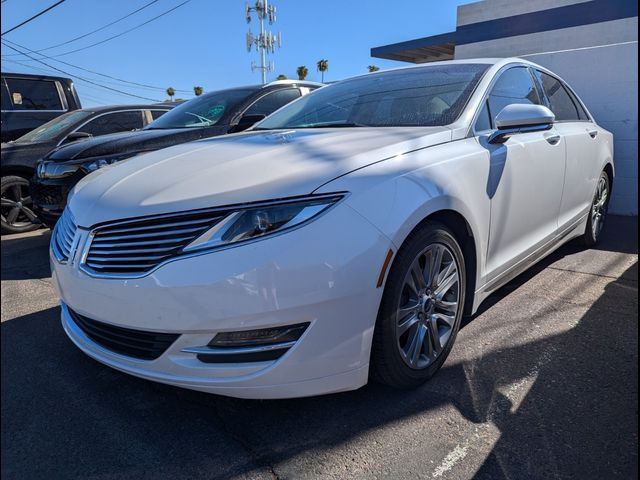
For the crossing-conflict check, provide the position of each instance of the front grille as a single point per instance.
(125, 341)
(62, 237)
(136, 247)
(46, 196)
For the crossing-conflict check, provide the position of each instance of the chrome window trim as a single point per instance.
(196, 253)
(77, 129)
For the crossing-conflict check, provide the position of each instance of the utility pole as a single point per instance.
(265, 41)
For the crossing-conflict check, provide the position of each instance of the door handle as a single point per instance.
(592, 133)
(552, 138)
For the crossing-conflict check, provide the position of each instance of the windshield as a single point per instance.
(430, 96)
(53, 128)
(202, 111)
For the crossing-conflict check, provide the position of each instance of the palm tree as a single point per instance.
(281, 77)
(171, 92)
(302, 72)
(198, 91)
(373, 68)
(323, 66)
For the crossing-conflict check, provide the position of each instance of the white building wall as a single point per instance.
(599, 61)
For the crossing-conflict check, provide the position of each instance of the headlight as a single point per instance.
(56, 170)
(96, 164)
(262, 220)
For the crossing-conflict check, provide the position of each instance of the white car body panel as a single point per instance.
(519, 201)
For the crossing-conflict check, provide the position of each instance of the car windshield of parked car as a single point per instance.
(202, 111)
(51, 130)
(434, 95)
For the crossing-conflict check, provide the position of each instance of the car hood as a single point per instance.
(239, 168)
(26, 154)
(131, 142)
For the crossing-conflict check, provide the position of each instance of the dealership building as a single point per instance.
(592, 44)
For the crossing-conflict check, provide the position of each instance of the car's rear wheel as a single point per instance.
(16, 214)
(421, 308)
(598, 212)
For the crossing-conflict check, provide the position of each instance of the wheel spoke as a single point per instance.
(406, 324)
(446, 306)
(448, 319)
(435, 264)
(33, 218)
(434, 336)
(415, 347)
(447, 282)
(7, 202)
(13, 215)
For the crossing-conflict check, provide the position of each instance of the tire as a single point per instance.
(17, 216)
(598, 211)
(394, 361)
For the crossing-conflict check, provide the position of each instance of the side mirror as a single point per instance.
(247, 121)
(73, 136)
(521, 118)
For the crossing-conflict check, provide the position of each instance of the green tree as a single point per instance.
(323, 66)
(281, 77)
(302, 72)
(373, 68)
(171, 92)
(198, 91)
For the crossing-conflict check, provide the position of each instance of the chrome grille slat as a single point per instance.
(151, 242)
(62, 237)
(133, 248)
(109, 237)
(204, 222)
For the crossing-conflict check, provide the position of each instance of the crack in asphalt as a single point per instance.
(613, 277)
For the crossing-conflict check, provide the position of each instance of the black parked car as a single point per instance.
(209, 115)
(29, 100)
(19, 157)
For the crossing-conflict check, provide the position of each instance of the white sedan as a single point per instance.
(341, 239)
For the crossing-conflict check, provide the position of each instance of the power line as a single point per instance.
(122, 33)
(91, 32)
(33, 17)
(152, 87)
(79, 77)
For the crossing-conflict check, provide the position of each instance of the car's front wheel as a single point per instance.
(421, 308)
(16, 213)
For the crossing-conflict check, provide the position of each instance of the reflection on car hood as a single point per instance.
(25, 154)
(238, 168)
(131, 142)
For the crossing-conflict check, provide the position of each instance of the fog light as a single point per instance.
(263, 336)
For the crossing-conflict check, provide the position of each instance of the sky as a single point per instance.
(202, 42)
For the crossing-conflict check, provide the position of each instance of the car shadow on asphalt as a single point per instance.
(26, 257)
(66, 416)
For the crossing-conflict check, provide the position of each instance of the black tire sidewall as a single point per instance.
(387, 365)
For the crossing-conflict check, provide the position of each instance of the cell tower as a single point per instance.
(265, 41)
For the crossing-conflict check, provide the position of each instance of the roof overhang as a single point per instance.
(422, 50)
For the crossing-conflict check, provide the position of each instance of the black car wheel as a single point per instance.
(16, 213)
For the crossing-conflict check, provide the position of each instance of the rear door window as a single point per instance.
(155, 114)
(560, 102)
(273, 101)
(27, 94)
(114, 122)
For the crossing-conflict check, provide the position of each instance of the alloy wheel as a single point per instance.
(15, 205)
(428, 306)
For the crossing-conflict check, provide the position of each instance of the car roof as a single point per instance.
(34, 76)
(117, 108)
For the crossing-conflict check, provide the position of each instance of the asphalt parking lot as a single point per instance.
(542, 383)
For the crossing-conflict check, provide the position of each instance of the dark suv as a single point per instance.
(29, 100)
(215, 113)
(19, 157)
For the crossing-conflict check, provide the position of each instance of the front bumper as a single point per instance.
(324, 273)
(49, 196)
